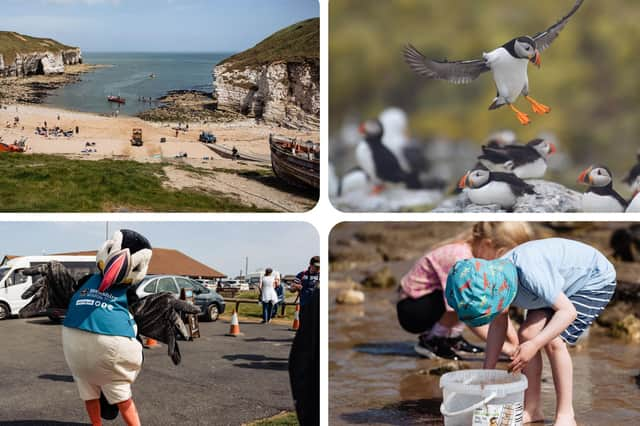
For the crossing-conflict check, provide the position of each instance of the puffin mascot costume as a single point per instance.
(100, 334)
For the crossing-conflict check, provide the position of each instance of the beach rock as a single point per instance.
(638, 380)
(628, 328)
(350, 297)
(549, 197)
(382, 278)
(280, 86)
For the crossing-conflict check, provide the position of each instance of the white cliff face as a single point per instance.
(285, 93)
(39, 63)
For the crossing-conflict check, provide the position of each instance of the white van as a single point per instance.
(13, 283)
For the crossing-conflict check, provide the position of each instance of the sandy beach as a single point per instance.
(111, 136)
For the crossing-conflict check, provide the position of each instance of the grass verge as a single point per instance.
(51, 183)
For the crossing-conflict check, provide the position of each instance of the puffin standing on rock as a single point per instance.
(379, 162)
(485, 188)
(508, 64)
(600, 197)
(528, 161)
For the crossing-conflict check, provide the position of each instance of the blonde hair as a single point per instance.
(503, 235)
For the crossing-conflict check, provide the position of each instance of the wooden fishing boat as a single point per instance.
(116, 99)
(294, 162)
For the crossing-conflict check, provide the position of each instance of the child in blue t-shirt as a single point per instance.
(563, 284)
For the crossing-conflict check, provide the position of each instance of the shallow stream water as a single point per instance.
(376, 378)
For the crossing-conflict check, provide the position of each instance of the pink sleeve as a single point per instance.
(443, 259)
(429, 273)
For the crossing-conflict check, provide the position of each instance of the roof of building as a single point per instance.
(164, 262)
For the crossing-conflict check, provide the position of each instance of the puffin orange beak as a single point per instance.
(552, 148)
(536, 59)
(585, 176)
(361, 129)
(463, 181)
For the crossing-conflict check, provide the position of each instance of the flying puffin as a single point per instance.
(379, 162)
(485, 187)
(600, 197)
(527, 161)
(508, 64)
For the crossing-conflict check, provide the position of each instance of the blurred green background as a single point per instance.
(589, 75)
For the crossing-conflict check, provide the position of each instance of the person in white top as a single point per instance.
(268, 295)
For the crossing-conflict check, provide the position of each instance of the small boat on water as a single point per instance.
(116, 99)
(294, 162)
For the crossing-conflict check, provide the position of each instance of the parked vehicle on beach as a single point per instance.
(207, 137)
(240, 285)
(13, 283)
(136, 137)
(211, 304)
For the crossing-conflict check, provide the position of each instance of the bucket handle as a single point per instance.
(446, 413)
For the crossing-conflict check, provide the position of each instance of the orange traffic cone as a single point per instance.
(296, 319)
(150, 343)
(234, 330)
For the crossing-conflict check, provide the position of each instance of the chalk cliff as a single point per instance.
(22, 55)
(277, 80)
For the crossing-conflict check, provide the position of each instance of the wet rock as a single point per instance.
(445, 367)
(638, 380)
(614, 314)
(382, 278)
(549, 197)
(350, 297)
(628, 328)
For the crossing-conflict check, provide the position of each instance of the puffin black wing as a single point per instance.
(518, 186)
(494, 155)
(519, 154)
(159, 316)
(544, 39)
(52, 288)
(632, 175)
(457, 72)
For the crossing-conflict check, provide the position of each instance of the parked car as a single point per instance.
(237, 284)
(210, 284)
(211, 304)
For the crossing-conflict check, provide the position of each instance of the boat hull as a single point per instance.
(293, 169)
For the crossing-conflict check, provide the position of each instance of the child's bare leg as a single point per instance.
(562, 370)
(93, 409)
(535, 322)
(129, 412)
(449, 319)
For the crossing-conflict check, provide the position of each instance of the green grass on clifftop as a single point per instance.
(12, 43)
(297, 43)
(50, 183)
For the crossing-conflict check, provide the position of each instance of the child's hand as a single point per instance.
(521, 356)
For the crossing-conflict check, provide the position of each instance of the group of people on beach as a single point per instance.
(473, 280)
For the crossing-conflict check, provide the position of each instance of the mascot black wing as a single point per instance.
(159, 316)
(52, 287)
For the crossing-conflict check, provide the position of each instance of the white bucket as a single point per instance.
(470, 396)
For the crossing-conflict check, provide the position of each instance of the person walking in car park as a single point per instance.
(268, 295)
(422, 308)
(307, 281)
(280, 292)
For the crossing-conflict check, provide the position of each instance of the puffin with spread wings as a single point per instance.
(508, 63)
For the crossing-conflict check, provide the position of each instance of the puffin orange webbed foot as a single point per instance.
(537, 107)
(521, 116)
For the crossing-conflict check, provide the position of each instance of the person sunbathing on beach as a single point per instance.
(564, 285)
(422, 308)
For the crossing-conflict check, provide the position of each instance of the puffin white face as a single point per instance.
(394, 120)
(474, 179)
(525, 48)
(596, 176)
(124, 259)
(544, 148)
(371, 128)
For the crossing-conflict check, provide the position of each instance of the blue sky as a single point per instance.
(287, 247)
(154, 25)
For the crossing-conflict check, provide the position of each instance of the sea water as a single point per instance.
(129, 75)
